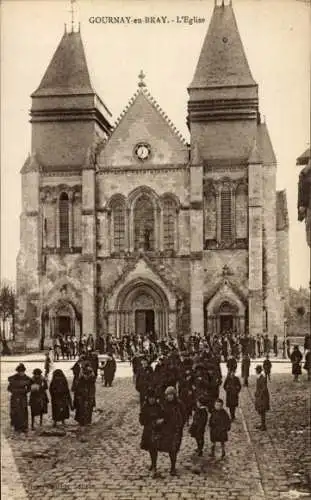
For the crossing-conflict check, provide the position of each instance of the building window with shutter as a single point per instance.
(64, 220)
(226, 215)
(169, 224)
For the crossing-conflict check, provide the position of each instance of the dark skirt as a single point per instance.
(60, 408)
(19, 412)
(84, 410)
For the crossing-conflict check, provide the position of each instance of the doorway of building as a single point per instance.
(226, 323)
(144, 321)
(64, 325)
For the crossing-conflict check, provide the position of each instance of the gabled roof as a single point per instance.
(282, 221)
(142, 95)
(67, 72)
(173, 287)
(142, 120)
(222, 61)
(31, 165)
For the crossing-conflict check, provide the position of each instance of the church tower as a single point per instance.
(56, 253)
(233, 169)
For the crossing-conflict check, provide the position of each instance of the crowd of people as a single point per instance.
(81, 398)
(178, 383)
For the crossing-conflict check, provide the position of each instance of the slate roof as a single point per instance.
(282, 221)
(67, 72)
(222, 61)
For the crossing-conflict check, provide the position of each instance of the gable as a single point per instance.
(140, 271)
(143, 122)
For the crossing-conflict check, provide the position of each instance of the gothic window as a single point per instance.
(225, 216)
(210, 214)
(64, 220)
(241, 211)
(169, 223)
(144, 224)
(118, 215)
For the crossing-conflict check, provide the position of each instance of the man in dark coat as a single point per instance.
(232, 364)
(232, 387)
(307, 365)
(144, 380)
(197, 428)
(109, 370)
(245, 366)
(296, 358)
(275, 345)
(262, 398)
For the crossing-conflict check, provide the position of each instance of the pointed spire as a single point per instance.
(222, 61)
(67, 72)
(254, 157)
(31, 164)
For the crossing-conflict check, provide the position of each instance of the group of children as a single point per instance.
(219, 423)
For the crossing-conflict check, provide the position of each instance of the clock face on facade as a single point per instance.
(142, 151)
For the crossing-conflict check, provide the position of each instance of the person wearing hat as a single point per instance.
(172, 428)
(262, 398)
(151, 417)
(19, 386)
(38, 400)
(296, 358)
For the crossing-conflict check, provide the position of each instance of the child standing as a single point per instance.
(197, 428)
(102, 371)
(219, 424)
(267, 365)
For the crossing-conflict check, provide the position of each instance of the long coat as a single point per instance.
(245, 365)
(151, 434)
(85, 397)
(38, 400)
(172, 429)
(232, 386)
(197, 428)
(60, 399)
(110, 370)
(307, 365)
(220, 425)
(296, 358)
(19, 386)
(262, 398)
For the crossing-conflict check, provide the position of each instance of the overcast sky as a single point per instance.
(276, 37)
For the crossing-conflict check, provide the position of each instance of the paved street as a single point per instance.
(105, 462)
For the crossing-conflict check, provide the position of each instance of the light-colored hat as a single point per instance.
(170, 390)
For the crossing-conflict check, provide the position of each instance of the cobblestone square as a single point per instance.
(105, 461)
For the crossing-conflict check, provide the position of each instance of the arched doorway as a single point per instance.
(61, 319)
(227, 317)
(142, 308)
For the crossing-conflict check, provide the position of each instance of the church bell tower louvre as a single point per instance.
(58, 216)
(233, 192)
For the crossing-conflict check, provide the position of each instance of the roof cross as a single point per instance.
(141, 77)
(72, 12)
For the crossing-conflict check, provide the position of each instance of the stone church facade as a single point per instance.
(131, 229)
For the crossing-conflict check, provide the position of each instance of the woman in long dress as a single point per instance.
(38, 400)
(60, 398)
(85, 395)
(19, 386)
